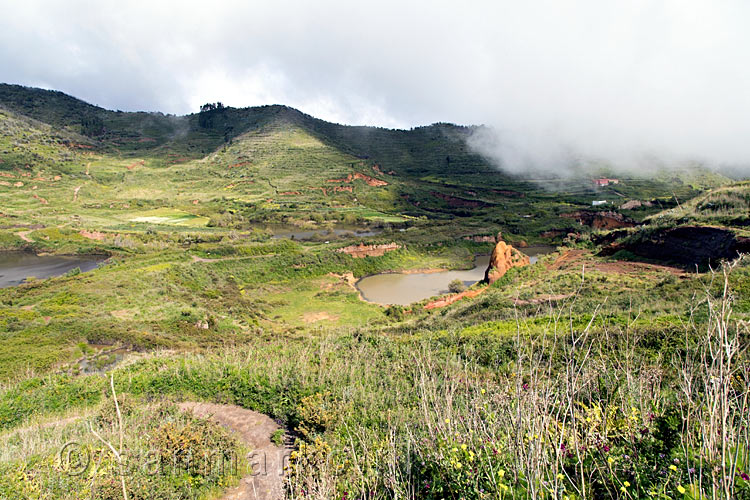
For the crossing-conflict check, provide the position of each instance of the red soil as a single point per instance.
(362, 250)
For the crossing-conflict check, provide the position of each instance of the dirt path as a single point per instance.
(572, 258)
(24, 235)
(566, 258)
(266, 482)
(314, 317)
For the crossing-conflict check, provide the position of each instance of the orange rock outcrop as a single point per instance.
(503, 257)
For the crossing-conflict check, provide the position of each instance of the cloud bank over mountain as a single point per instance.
(554, 82)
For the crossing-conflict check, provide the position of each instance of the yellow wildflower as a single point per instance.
(681, 489)
(673, 467)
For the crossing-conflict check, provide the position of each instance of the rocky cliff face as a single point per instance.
(362, 250)
(503, 258)
(686, 246)
(601, 220)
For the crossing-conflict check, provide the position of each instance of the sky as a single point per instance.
(625, 81)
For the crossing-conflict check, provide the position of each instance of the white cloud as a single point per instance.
(557, 79)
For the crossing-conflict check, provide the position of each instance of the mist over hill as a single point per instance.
(484, 147)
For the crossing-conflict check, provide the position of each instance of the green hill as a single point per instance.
(274, 163)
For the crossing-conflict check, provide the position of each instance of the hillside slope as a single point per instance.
(278, 164)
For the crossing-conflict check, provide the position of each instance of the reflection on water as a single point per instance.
(15, 267)
(404, 289)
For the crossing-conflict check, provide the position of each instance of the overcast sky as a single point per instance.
(595, 78)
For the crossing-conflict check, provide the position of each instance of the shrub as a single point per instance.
(456, 286)
(198, 447)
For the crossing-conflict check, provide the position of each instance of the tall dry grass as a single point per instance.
(579, 413)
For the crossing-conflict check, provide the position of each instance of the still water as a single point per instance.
(15, 267)
(404, 289)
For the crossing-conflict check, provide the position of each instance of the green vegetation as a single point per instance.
(726, 206)
(170, 454)
(231, 262)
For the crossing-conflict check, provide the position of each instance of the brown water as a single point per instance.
(404, 289)
(15, 267)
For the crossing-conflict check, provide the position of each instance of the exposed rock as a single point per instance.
(136, 164)
(687, 246)
(503, 257)
(450, 299)
(455, 201)
(601, 220)
(554, 233)
(93, 235)
(43, 201)
(481, 239)
(362, 250)
(370, 181)
(240, 164)
(630, 205)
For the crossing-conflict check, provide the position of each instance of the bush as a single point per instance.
(196, 447)
(456, 286)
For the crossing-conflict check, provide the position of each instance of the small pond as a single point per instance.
(15, 267)
(404, 289)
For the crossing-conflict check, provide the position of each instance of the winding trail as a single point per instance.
(266, 480)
